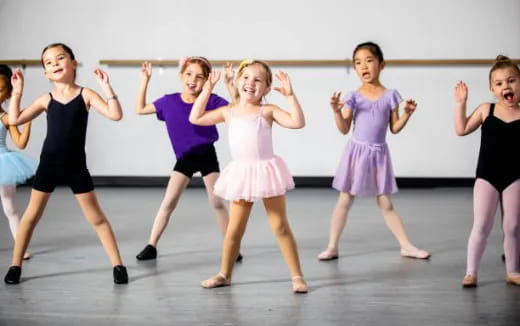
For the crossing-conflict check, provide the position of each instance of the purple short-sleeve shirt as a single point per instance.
(185, 136)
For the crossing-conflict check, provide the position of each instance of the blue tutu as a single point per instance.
(15, 168)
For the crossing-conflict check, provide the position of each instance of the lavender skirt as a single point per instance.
(365, 170)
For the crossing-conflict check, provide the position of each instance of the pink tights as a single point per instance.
(485, 203)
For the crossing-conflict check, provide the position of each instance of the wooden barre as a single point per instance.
(321, 63)
(289, 63)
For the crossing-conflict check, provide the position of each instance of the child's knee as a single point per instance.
(10, 211)
(216, 203)
(281, 229)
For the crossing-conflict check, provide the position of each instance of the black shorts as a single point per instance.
(76, 177)
(203, 159)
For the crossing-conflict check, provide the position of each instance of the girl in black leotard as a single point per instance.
(63, 155)
(498, 170)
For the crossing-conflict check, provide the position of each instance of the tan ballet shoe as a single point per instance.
(513, 279)
(415, 253)
(469, 281)
(299, 285)
(216, 281)
(328, 254)
(27, 256)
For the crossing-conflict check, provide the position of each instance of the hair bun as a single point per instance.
(502, 58)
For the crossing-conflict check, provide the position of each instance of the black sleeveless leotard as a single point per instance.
(66, 131)
(499, 157)
(63, 159)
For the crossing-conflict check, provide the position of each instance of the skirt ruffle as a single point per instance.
(365, 170)
(253, 180)
(15, 168)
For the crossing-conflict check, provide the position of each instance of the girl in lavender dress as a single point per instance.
(365, 168)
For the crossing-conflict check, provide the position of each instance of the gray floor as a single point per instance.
(69, 280)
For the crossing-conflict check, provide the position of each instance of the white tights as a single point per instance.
(7, 194)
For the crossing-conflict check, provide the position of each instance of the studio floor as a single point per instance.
(69, 279)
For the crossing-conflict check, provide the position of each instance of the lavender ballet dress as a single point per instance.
(365, 168)
(255, 171)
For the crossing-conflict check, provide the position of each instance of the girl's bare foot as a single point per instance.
(216, 281)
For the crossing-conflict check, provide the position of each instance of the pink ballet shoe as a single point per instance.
(299, 285)
(27, 256)
(216, 281)
(469, 281)
(413, 252)
(328, 254)
(513, 278)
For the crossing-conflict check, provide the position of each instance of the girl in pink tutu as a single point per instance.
(255, 172)
(365, 168)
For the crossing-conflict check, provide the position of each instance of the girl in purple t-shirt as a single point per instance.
(365, 168)
(193, 145)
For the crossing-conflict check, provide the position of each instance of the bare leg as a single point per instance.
(511, 227)
(485, 204)
(92, 211)
(239, 212)
(337, 224)
(30, 219)
(277, 214)
(176, 185)
(216, 203)
(396, 226)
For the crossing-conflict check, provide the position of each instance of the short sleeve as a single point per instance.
(160, 105)
(350, 100)
(395, 99)
(216, 102)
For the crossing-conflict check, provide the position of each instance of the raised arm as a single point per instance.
(397, 122)
(20, 139)
(293, 118)
(140, 104)
(342, 117)
(229, 76)
(465, 125)
(17, 116)
(199, 115)
(111, 108)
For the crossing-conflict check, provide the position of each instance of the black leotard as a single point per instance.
(66, 131)
(499, 157)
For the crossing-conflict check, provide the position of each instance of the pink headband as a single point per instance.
(183, 60)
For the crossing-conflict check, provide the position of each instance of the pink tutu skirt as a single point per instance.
(253, 180)
(365, 170)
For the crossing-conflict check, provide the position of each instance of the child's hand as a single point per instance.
(335, 103)
(146, 71)
(410, 106)
(102, 79)
(213, 78)
(285, 84)
(17, 81)
(461, 93)
(229, 73)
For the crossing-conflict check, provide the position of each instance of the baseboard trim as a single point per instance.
(300, 182)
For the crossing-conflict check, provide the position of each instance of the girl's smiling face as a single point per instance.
(252, 83)
(192, 79)
(58, 65)
(505, 85)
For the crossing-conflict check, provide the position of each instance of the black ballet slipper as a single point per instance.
(13, 275)
(149, 252)
(120, 275)
(239, 258)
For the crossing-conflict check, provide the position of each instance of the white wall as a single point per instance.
(269, 29)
